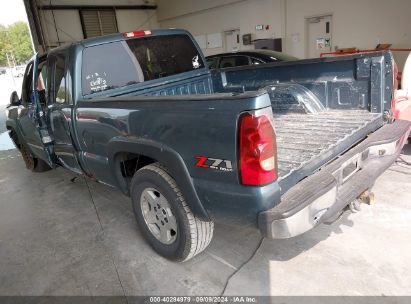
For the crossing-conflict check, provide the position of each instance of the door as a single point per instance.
(232, 40)
(59, 111)
(318, 36)
(30, 116)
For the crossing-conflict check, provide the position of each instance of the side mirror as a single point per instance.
(14, 99)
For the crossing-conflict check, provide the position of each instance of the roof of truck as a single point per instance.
(121, 36)
(118, 37)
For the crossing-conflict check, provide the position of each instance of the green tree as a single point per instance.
(4, 45)
(15, 39)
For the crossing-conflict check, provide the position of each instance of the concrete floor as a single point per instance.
(59, 237)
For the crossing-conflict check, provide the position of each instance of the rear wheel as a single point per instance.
(164, 217)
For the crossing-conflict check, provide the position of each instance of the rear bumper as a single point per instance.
(323, 195)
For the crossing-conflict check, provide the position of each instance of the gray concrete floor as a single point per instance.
(59, 237)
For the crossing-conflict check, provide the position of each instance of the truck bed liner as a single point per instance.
(301, 138)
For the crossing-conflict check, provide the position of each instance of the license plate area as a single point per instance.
(348, 169)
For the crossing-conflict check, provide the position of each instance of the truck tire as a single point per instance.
(164, 217)
(33, 163)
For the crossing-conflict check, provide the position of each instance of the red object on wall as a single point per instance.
(363, 51)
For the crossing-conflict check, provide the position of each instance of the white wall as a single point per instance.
(129, 20)
(65, 27)
(68, 25)
(356, 23)
(171, 9)
(206, 17)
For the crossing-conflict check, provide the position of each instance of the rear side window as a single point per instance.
(255, 61)
(60, 79)
(122, 63)
(233, 61)
(212, 62)
(27, 85)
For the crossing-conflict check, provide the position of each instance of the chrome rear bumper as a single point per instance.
(323, 195)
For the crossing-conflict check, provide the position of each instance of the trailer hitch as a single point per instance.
(367, 197)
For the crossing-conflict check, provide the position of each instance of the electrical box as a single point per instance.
(247, 39)
(269, 44)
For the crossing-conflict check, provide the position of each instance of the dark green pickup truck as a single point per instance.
(280, 147)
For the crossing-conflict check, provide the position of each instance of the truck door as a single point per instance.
(60, 110)
(30, 116)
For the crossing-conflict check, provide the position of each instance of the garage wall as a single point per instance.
(356, 23)
(65, 26)
(68, 26)
(171, 9)
(129, 20)
(207, 17)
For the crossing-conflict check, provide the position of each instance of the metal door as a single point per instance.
(232, 40)
(318, 36)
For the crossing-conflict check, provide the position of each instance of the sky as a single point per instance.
(12, 11)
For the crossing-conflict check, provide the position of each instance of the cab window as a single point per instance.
(27, 88)
(137, 60)
(42, 83)
(233, 61)
(212, 62)
(57, 78)
(60, 79)
(255, 61)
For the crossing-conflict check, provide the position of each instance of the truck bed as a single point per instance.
(304, 139)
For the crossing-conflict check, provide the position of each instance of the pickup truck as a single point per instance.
(278, 147)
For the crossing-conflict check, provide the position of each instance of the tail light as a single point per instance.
(136, 34)
(258, 152)
(395, 75)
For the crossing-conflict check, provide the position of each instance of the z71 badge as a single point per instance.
(214, 163)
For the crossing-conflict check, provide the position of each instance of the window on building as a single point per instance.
(98, 22)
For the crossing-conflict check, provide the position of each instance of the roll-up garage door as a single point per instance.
(98, 22)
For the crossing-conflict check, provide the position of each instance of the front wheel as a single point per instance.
(164, 217)
(33, 163)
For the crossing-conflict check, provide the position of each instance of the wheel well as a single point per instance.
(128, 164)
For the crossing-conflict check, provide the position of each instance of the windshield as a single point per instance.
(123, 63)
